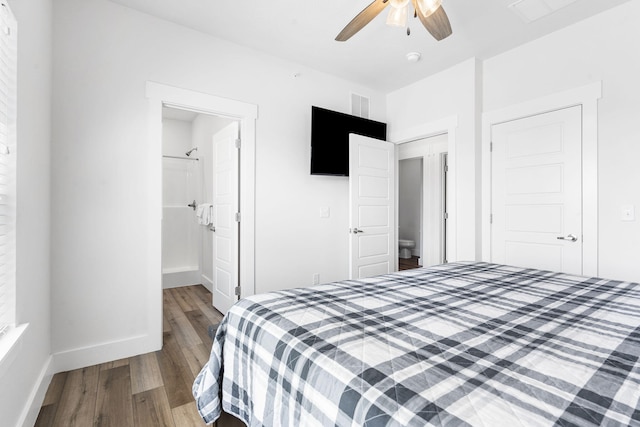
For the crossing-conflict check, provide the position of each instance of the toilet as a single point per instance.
(405, 248)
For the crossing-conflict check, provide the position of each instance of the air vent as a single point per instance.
(532, 10)
(359, 105)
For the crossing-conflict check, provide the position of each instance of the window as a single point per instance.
(8, 59)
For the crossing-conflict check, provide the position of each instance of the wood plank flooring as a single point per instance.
(408, 263)
(149, 390)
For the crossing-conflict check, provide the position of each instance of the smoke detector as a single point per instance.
(413, 57)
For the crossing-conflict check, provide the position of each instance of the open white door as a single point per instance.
(225, 220)
(371, 207)
(536, 197)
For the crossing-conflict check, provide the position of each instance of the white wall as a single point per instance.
(24, 382)
(181, 180)
(454, 92)
(602, 48)
(100, 127)
(103, 55)
(176, 137)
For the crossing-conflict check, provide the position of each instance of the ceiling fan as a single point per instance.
(430, 13)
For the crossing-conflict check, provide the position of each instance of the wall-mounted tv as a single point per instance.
(330, 139)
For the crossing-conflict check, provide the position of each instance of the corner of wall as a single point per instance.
(105, 352)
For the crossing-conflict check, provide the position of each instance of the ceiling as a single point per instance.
(303, 32)
(178, 114)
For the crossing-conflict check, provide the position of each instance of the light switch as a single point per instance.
(628, 213)
(325, 212)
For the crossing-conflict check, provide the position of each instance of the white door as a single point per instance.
(537, 191)
(225, 226)
(371, 207)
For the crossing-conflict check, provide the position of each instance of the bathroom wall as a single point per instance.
(410, 202)
(180, 186)
(176, 137)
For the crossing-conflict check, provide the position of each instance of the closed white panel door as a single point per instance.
(371, 208)
(225, 227)
(537, 191)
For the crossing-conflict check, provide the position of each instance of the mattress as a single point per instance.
(461, 344)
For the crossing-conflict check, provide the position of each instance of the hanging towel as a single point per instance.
(204, 212)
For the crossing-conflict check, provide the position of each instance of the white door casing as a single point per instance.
(536, 191)
(372, 237)
(160, 95)
(431, 150)
(225, 226)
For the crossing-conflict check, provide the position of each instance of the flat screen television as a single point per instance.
(330, 139)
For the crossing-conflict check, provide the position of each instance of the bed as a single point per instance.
(459, 344)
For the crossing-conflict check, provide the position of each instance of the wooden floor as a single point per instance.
(152, 389)
(409, 263)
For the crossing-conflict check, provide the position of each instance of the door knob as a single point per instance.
(570, 237)
(356, 231)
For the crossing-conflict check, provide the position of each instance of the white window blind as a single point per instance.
(8, 59)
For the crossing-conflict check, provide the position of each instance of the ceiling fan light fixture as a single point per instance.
(398, 16)
(427, 7)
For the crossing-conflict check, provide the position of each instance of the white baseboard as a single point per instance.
(180, 278)
(36, 397)
(106, 352)
(207, 283)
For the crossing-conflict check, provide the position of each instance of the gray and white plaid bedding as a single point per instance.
(458, 344)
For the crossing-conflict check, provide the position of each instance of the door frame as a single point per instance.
(447, 125)
(158, 95)
(586, 96)
(427, 216)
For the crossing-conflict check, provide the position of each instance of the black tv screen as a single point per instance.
(330, 139)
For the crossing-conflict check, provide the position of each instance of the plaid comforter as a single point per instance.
(459, 344)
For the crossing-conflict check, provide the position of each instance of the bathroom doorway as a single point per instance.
(422, 202)
(191, 254)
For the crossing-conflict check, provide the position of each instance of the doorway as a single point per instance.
(200, 188)
(422, 201)
(160, 96)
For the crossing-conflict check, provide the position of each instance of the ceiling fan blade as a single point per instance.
(437, 23)
(362, 19)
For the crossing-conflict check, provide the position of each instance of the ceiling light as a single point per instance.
(398, 14)
(427, 7)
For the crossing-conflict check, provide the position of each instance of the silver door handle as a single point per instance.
(570, 237)
(356, 231)
(212, 228)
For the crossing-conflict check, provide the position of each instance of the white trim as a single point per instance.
(586, 96)
(104, 352)
(11, 346)
(446, 125)
(31, 410)
(247, 114)
(207, 282)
